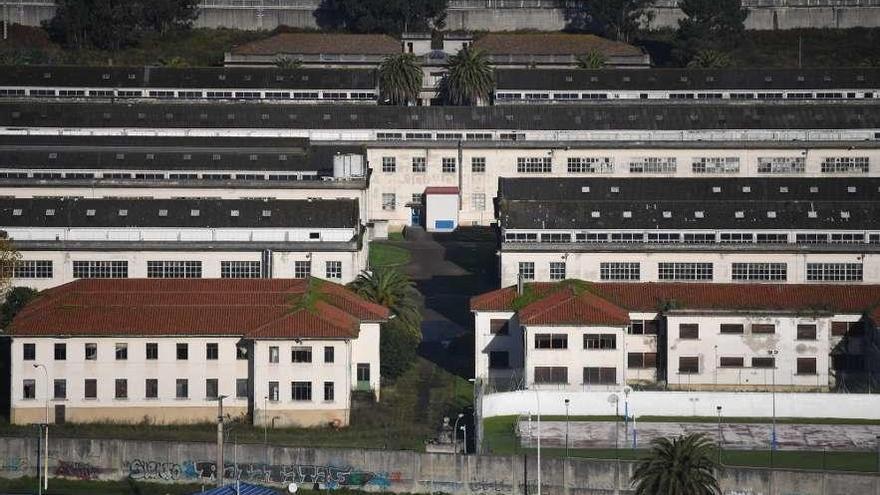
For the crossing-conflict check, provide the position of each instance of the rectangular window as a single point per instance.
(121, 351)
(151, 388)
(329, 391)
(643, 327)
(685, 271)
(28, 389)
(32, 269)
(551, 374)
(239, 269)
(590, 165)
(806, 332)
(241, 388)
(174, 269)
(301, 391)
(302, 269)
(60, 352)
(619, 271)
(653, 165)
(274, 392)
(730, 362)
(499, 360)
(241, 351)
(478, 164)
(534, 165)
(689, 331)
(551, 341)
(600, 341)
(121, 388)
(329, 354)
(182, 352)
(846, 164)
(782, 165)
(363, 372)
(834, 272)
(448, 165)
(301, 355)
(737, 328)
(90, 388)
(763, 362)
(852, 328)
(478, 201)
(333, 269)
(212, 351)
(91, 351)
(641, 360)
(557, 270)
(100, 269)
(600, 376)
(689, 364)
(59, 389)
(763, 328)
(152, 351)
(389, 201)
(29, 352)
(273, 354)
(212, 388)
(527, 270)
(181, 388)
(757, 272)
(419, 164)
(806, 366)
(716, 165)
(389, 164)
(499, 327)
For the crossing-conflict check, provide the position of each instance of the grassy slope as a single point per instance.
(386, 255)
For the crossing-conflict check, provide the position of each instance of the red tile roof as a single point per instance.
(441, 190)
(553, 44)
(251, 308)
(544, 299)
(321, 43)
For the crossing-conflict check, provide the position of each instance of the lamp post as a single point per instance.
(773, 353)
(220, 466)
(720, 437)
(455, 432)
(46, 423)
(464, 432)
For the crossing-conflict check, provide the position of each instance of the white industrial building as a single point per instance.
(282, 352)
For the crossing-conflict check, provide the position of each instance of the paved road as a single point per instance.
(735, 436)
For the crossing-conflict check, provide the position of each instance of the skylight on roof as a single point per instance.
(851, 189)
(585, 189)
(667, 214)
(783, 189)
(747, 189)
(233, 213)
(194, 213)
(123, 213)
(50, 212)
(739, 214)
(844, 214)
(90, 212)
(699, 214)
(627, 214)
(771, 214)
(595, 214)
(716, 189)
(813, 214)
(267, 213)
(16, 212)
(163, 213)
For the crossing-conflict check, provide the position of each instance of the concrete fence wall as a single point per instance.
(374, 470)
(734, 404)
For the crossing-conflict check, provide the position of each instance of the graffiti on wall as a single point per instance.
(80, 470)
(327, 476)
(14, 464)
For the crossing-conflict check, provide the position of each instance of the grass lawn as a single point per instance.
(396, 236)
(410, 412)
(386, 255)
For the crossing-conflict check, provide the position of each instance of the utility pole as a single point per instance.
(220, 466)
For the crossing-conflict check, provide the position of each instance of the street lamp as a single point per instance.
(46, 422)
(720, 437)
(455, 432)
(773, 353)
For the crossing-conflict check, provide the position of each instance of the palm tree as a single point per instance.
(710, 59)
(681, 466)
(470, 79)
(400, 79)
(394, 290)
(593, 59)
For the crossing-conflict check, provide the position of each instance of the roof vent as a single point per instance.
(783, 189)
(53, 156)
(844, 214)
(801, 78)
(569, 79)
(247, 77)
(814, 189)
(132, 76)
(304, 78)
(253, 158)
(860, 78)
(221, 77)
(813, 214)
(50, 212)
(827, 78)
(683, 79)
(163, 213)
(187, 156)
(16, 212)
(267, 213)
(699, 214)
(627, 214)
(264, 116)
(771, 214)
(768, 78)
(585, 189)
(90, 212)
(326, 116)
(123, 213)
(747, 189)
(215, 157)
(47, 75)
(169, 116)
(739, 214)
(151, 156)
(194, 213)
(667, 214)
(230, 116)
(279, 78)
(120, 156)
(851, 189)
(233, 213)
(105, 76)
(595, 214)
(615, 189)
(282, 158)
(716, 189)
(594, 79)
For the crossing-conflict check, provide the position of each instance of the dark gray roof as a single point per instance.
(212, 213)
(167, 153)
(686, 79)
(613, 116)
(565, 204)
(200, 77)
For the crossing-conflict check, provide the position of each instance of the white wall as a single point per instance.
(441, 207)
(575, 358)
(485, 342)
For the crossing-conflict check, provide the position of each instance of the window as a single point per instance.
(448, 165)
(499, 327)
(685, 271)
(90, 388)
(273, 354)
(301, 355)
(152, 351)
(182, 352)
(763, 362)
(806, 332)
(100, 269)
(478, 164)
(641, 360)
(527, 270)
(806, 366)
(363, 372)
(241, 388)
(557, 270)
(782, 165)
(653, 165)
(600, 341)
(329, 354)
(551, 374)
(771, 238)
(551, 341)
(846, 164)
(274, 392)
(302, 269)
(643, 327)
(841, 328)
(600, 376)
(301, 391)
(333, 269)
(756, 272)
(33, 269)
(478, 201)
(389, 201)
(834, 272)
(419, 164)
(688, 364)
(212, 388)
(499, 360)
(60, 352)
(736, 328)
(174, 269)
(239, 269)
(763, 328)
(121, 351)
(29, 352)
(715, 165)
(689, 331)
(121, 388)
(91, 351)
(328, 391)
(211, 351)
(730, 362)
(28, 389)
(584, 165)
(389, 164)
(151, 388)
(181, 388)
(534, 165)
(619, 271)
(59, 389)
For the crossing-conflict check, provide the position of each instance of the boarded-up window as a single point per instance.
(806, 366)
(689, 331)
(689, 364)
(731, 362)
(731, 328)
(806, 332)
(763, 328)
(499, 327)
(551, 374)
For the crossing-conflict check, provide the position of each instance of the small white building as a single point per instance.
(283, 352)
(441, 209)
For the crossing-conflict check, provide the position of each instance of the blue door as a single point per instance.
(416, 218)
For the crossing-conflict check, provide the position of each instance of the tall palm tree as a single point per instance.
(394, 290)
(470, 79)
(400, 79)
(681, 466)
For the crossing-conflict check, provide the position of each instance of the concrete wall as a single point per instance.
(397, 471)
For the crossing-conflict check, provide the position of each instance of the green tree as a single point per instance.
(397, 349)
(616, 19)
(9, 256)
(710, 25)
(394, 290)
(382, 16)
(16, 298)
(470, 79)
(594, 59)
(287, 63)
(682, 466)
(162, 16)
(709, 59)
(400, 79)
